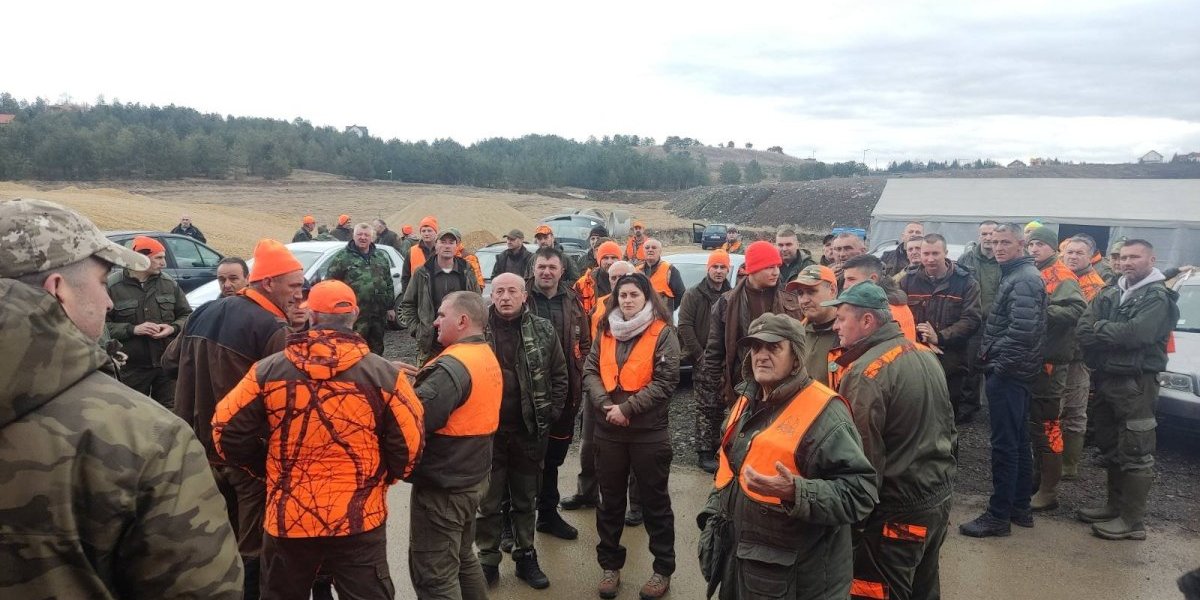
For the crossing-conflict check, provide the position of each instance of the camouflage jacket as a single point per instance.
(541, 371)
(156, 300)
(108, 495)
(369, 275)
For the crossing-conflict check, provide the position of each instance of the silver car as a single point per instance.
(1179, 385)
(314, 257)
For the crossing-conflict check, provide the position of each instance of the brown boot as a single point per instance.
(610, 583)
(1046, 497)
(657, 587)
(1072, 452)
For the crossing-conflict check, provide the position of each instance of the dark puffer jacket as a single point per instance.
(1016, 328)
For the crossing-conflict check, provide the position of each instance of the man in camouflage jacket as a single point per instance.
(367, 270)
(107, 495)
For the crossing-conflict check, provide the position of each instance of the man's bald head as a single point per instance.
(653, 249)
(508, 279)
(619, 268)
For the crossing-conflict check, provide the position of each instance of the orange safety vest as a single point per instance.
(777, 441)
(598, 314)
(836, 371)
(1091, 284)
(731, 249)
(631, 255)
(1055, 274)
(903, 317)
(480, 414)
(474, 262)
(416, 258)
(638, 369)
(661, 280)
(585, 287)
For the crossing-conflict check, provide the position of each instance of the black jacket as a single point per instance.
(1016, 328)
(950, 304)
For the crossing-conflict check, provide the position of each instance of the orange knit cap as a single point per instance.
(309, 220)
(718, 257)
(332, 297)
(272, 259)
(609, 248)
(344, 219)
(429, 221)
(406, 230)
(147, 245)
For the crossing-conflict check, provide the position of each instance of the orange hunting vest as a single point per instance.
(638, 369)
(778, 441)
(903, 317)
(631, 255)
(416, 258)
(1091, 284)
(1055, 274)
(732, 249)
(661, 280)
(480, 414)
(586, 288)
(598, 314)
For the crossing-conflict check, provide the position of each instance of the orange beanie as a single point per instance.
(272, 259)
(718, 257)
(762, 255)
(609, 248)
(429, 221)
(344, 219)
(147, 245)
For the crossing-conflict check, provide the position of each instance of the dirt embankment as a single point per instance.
(812, 206)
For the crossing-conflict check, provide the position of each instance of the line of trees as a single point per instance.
(813, 170)
(133, 141)
(909, 166)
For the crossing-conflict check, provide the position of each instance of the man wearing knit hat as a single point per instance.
(420, 252)
(694, 312)
(307, 230)
(596, 236)
(635, 252)
(757, 293)
(593, 284)
(148, 311)
(219, 343)
(342, 232)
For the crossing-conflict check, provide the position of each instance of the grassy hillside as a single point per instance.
(771, 162)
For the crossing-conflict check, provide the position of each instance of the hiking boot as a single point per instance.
(506, 537)
(657, 587)
(529, 571)
(491, 574)
(610, 582)
(1112, 506)
(1135, 489)
(549, 521)
(577, 502)
(1022, 518)
(985, 525)
(707, 461)
(634, 517)
(1072, 452)
(1046, 497)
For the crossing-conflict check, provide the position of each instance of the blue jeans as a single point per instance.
(1012, 461)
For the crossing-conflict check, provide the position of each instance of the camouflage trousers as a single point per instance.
(371, 325)
(710, 414)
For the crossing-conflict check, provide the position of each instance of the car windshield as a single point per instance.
(1189, 309)
(574, 230)
(712, 229)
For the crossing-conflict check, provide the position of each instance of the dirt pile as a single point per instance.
(469, 215)
(813, 206)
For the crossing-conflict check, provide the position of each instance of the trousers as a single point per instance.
(1012, 460)
(356, 563)
(441, 555)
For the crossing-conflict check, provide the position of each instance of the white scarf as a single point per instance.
(1127, 290)
(625, 330)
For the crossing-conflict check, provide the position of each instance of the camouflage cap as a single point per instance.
(771, 327)
(37, 236)
(1116, 246)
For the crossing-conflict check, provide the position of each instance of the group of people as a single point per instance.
(828, 393)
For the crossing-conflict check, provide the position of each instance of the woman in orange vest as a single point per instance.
(629, 378)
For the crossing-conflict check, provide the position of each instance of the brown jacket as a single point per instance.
(648, 408)
(721, 367)
(694, 318)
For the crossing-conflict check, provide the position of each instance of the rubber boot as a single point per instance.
(1072, 452)
(1046, 497)
(1135, 489)
(1112, 506)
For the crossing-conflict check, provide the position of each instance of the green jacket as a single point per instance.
(108, 494)
(802, 549)
(389, 238)
(1130, 337)
(157, 300)
(1063, 309)
(788, 271)
(694, 312)
(369, 275)
(541, 371)
(897, 392)
(986, 271)
(416, 311)
(818, 341)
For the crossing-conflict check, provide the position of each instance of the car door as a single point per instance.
(396, 263)
(191, 264)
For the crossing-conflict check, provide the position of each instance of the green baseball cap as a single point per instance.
(770, 327)
(865, 295)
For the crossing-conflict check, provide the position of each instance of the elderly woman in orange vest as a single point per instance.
(629, 377)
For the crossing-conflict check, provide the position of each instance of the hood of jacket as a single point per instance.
(324, 352)
(44, 352)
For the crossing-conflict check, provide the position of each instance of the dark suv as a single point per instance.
(189, 262)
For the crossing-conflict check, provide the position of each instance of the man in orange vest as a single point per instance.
(1065, 304)
(897, 393)
(635, 251)
(663, 276)
(418, 253)
(461, 389)
(1077, 255)
(594, 282)
(733, 241)
(866, 267)
(792, 479)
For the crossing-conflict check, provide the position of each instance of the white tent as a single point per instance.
(1165, 212)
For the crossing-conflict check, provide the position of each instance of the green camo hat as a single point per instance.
(865, 295)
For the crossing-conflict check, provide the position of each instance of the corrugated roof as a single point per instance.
(1145, 202)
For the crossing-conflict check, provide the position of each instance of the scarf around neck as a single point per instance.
(625, 330)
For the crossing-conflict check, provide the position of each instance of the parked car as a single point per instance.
(314, 257)
(572, 231)
(1179, 386)
(693, 268)
(487, 261)
(710, 236)
(189, 262)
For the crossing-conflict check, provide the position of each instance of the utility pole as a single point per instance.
(865, 151)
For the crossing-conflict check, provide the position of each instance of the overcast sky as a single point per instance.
(1093, 81)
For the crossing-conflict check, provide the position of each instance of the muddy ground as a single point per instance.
(1174, 499)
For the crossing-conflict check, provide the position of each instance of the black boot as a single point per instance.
(549, 521)
(491, 574)
(707, 461)
(529, 571)
(577, 501)
(634, 517)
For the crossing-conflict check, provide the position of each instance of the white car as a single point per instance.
(314, 257)
(693, 268)
(1179, 386)
(487, 261)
